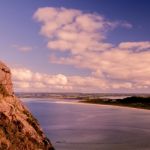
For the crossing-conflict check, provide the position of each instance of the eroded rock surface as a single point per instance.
(19, 130)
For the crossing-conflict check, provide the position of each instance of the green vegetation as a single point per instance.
(3, 90)
(137, 102)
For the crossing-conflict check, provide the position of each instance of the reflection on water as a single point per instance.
(92, 127)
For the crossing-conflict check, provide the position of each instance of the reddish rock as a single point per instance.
(19, 130)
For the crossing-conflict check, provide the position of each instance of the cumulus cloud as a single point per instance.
(135, 46)
(97, 82)
(26, 80)
(83, 36)
(72, 30)
(115, 65)
(20, 74)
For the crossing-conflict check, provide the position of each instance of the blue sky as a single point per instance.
(25, 50)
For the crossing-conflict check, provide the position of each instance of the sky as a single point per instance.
(95, 46)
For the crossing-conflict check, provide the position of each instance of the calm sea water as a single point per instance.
(72, 126)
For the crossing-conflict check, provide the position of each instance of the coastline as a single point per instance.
(130, 102)
(113, 105)
(81, 102)
(72, 119)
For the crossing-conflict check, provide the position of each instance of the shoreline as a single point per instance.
(131, 102)
(120, 106)
(84, 102)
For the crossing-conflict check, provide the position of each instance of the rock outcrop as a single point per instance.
(19, 130)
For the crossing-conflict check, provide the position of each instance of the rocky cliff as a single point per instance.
(19, 130)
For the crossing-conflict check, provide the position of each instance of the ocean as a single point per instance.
(73, 126)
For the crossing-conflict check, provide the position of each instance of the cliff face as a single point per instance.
(19, 130)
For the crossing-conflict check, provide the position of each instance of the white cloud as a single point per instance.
(113, 65)
(66, 28)
(97, 82)
(25, 79)
(22, 74)
(83, 35)
(135, 46)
